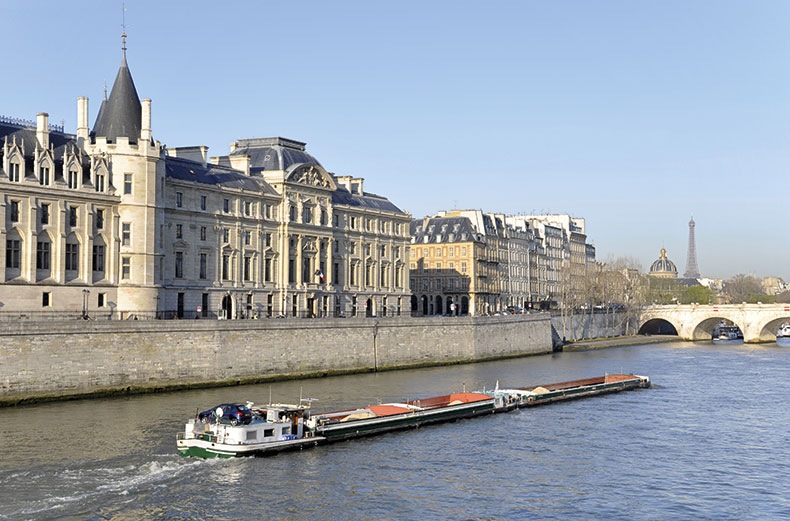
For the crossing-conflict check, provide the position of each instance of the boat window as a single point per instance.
(252, 435)
(268, 433)
(286, 431)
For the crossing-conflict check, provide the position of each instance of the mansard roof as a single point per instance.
(272, 153)
(120, 115)
(187, 170)
(25, 134)
(364, 200)
(444, 230)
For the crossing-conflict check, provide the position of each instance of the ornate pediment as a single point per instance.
(311, 175)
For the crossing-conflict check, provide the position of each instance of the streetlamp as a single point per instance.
(85, 293)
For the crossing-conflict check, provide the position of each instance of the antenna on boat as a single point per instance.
(270, 395)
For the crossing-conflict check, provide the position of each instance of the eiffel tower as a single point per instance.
(692, 271)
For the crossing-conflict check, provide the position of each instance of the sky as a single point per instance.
(635, 116)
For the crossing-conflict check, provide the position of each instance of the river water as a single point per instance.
(709, 440)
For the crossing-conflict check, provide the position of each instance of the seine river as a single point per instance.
(710, 440)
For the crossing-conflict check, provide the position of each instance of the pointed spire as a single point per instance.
(121, 114)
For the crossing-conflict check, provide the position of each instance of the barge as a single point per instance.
(377, 419)
(281, 427)
(570, 390)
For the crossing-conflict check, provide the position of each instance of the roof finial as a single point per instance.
(123, 32)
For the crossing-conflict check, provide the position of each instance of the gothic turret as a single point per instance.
(120, 114)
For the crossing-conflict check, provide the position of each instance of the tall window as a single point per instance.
(72, 216)
(45, 213)
(247, 208)
(179, 199)
(126, 268)
(268, 240)
(202, 202)
(179, 231)
(179, 264)
(225, 235)
(99, 182)
(225, 267)
(14, 211)
(127, 184)
(247, 238)
(247, 268)
(126, 234)
(13, 253)
(203, 265)
(13, 175)
(267, 270)
(202, 233)
(226, 205)
(43, 176)
(98, 258)
(72, 257)
(99, 219)
(42, 255)
(73, 180)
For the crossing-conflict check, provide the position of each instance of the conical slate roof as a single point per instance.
(121, 113)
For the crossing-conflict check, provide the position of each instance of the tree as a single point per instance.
(697, 295)
(743, 288)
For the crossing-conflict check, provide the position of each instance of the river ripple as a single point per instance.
(708, 441)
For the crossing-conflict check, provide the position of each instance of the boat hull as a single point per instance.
(379, 425)
(206, 447)
(576, 389)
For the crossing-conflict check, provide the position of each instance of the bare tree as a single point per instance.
(743, 288)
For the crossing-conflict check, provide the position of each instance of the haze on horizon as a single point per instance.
(634, 116)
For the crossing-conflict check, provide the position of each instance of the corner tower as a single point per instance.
(121, 137)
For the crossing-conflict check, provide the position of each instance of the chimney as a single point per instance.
(145, 131)
(42, 129)
(82, 119)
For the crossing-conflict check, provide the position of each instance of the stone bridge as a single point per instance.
(758, 322)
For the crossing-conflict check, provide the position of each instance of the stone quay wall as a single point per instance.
(66, 359)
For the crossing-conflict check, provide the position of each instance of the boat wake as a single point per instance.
(75, 491)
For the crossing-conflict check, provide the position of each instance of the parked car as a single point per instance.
(233, 413)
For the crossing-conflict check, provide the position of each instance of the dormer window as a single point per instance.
(73, 180)
(43, 176)
(13, 174)
(100, 182)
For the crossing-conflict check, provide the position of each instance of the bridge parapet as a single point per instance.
(758, 322)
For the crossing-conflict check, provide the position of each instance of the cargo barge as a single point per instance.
(278, 428)
(570, 390)
(378, 419)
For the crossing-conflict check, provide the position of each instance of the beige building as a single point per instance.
(109, 223)
(470, 262)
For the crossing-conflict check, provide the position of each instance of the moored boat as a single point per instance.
(275, 428)
(724, 332)
(783, 335)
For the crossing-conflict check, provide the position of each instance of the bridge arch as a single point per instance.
(758, 322)
(658, 326)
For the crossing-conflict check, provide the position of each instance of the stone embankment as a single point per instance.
(62, 360)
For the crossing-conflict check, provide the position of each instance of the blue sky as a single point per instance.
(633, 115)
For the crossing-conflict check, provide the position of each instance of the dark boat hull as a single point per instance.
(339, 431)
(576, 389)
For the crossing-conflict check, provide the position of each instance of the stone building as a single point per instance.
(110, 223)
(470, 262)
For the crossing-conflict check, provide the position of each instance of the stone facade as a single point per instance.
(110, 223)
